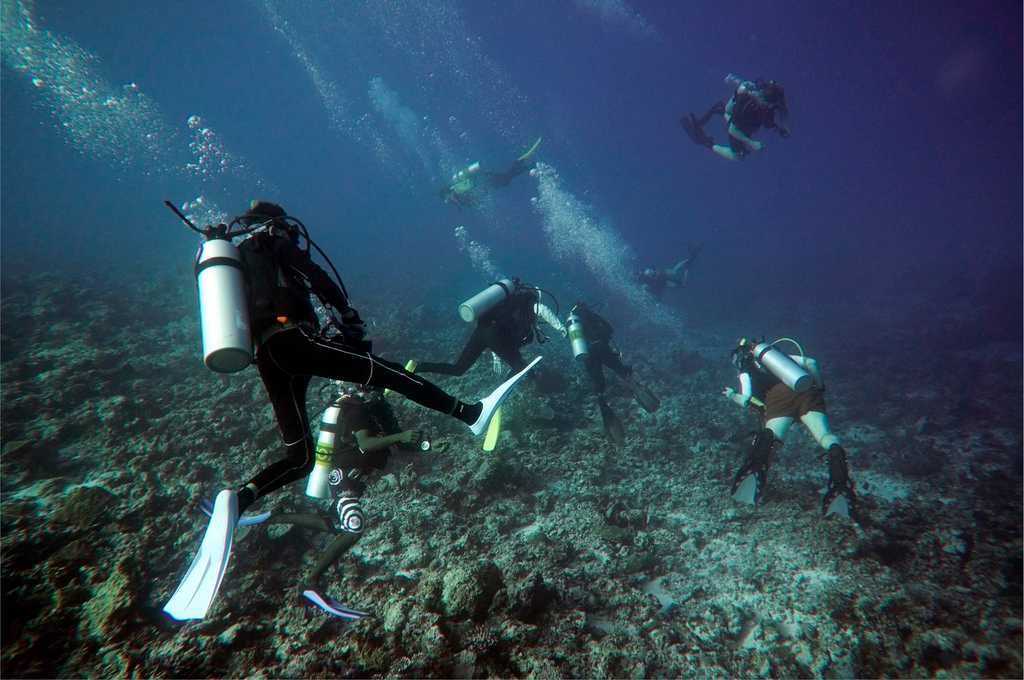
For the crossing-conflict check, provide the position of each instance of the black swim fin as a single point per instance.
(695, 132)
(644, 397)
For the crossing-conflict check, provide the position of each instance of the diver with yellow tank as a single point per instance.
(786, 387)
(467, 184)
(591, 338)
(257, 295)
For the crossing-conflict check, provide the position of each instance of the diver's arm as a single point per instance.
(368, 442)
(741, 398)
(547, 316)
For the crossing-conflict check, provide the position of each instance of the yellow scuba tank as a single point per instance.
(318, 482)
(574, 327)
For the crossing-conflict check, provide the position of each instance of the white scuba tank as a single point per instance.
(223, 307)
(794, 376)
(576, 337)
(486, 300)
(318, 485)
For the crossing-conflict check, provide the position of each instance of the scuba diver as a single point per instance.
(506, 315)
(754, 105)
(591, 338)
(466, 184)
(358, 432)
(786, 387)
(257, 294)
(655, 281)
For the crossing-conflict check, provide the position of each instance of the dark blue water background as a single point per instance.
(900, 188)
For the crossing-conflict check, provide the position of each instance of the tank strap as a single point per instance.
(216, 261)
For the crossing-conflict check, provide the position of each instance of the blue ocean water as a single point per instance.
(886, 231)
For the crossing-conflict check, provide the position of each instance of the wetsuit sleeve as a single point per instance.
(297, 263)
(746, 391)
(548, 317)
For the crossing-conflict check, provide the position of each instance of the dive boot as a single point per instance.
(749, 483)
(840, 498)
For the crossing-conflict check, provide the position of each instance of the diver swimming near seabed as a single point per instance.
(465, 186)
(655, 281)
(590, 336)
(358, 435)
(753, 105)
(786, 387)
(507, 315)
(258, 294)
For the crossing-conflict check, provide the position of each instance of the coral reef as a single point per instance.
(557, 555)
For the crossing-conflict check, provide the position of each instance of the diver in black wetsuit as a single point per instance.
(591, 338)
(365, 434)
(503, 329)
(753, 105)
(291, 350)
(655, 281)
(466, 184)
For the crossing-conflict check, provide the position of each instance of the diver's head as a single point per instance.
(580, 306)
(648, 272)
(742, 359)
(264, 212)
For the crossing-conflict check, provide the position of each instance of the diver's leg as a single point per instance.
(287, 392)
(817, 423)
(717, 109)
(475, 346)
(749, 482)
(302, 352)
(338, 547)
(725, 152)
(839, 482)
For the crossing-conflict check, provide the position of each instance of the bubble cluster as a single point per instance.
(413, 131)
(479, 254)
(116, 125)
(617, 14)
(574, 234)
(336, 106)
(210, 159)
(202, 211)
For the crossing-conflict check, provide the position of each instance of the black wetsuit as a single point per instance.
(749, 114)
(598, 333)
(289, 355)
(502, 179)
(505, 329)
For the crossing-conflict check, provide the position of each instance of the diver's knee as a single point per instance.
(779, 427)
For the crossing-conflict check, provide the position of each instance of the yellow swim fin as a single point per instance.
(532, 149)
(410, 366)
(493, 430)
